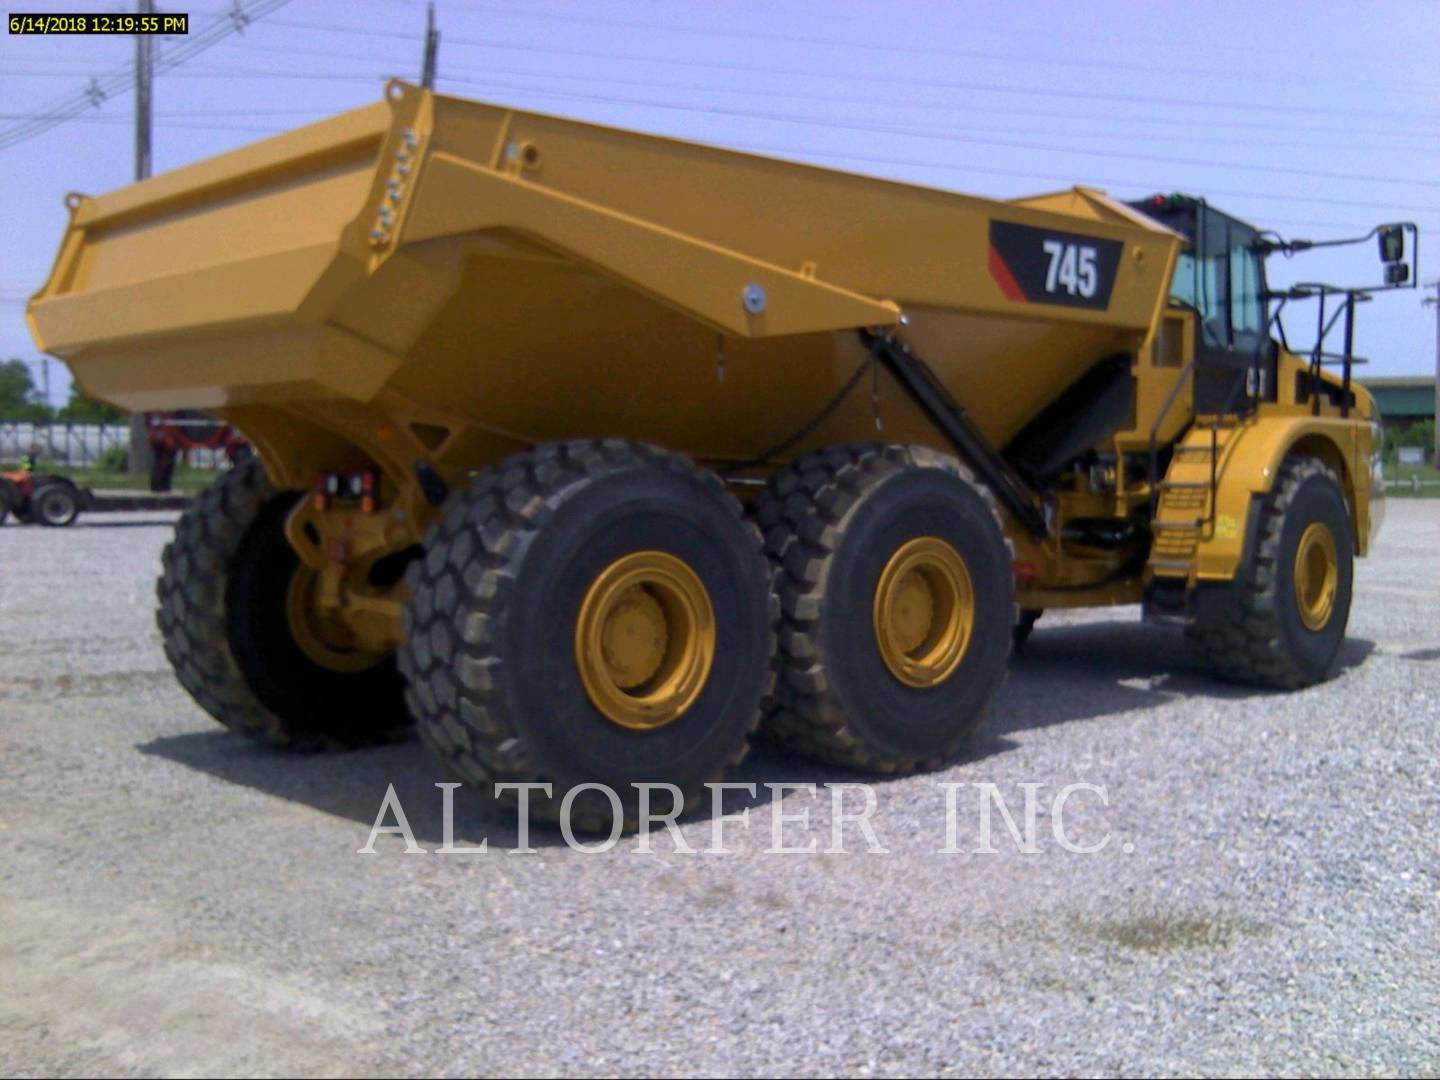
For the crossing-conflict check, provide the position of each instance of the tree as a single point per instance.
(19, 398)
(1420, 433)
(83, 410)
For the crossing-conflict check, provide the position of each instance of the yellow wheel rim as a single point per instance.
(924, 611)
(645, 640)
(322, 640)
(1317, 575)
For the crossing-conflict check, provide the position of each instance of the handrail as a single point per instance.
(1154, 470)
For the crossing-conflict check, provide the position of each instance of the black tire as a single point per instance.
(1260, 638)
(222, 616)
(490, 653)
(56, 503)
(1024, 624)
(832, 521)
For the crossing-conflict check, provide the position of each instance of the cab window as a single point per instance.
(1220, 279)
(1247, 304)
(1199, 284)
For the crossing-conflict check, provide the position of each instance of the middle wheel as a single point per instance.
(897, 595)
(590, 612)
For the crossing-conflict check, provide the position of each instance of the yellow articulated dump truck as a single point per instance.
(589, 452)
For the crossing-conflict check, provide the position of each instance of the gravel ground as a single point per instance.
(177, 901)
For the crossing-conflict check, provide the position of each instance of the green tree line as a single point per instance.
(21, 399)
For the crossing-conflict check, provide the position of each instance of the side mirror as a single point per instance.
(1397, 273)
(1392, 244)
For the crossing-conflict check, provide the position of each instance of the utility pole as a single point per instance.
(1434, 301)
(144, 73)
(144, 70)
(432, 46)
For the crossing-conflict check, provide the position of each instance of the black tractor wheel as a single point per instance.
(1291, 603)
(56, 503)
(590, 612)
(897, 599)
(243, 638)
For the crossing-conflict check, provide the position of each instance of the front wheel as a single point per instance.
(1286, 621)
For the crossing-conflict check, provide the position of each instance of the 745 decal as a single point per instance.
(1049, 267)
(1072, 268)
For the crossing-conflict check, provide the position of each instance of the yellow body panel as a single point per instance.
(1248, 456)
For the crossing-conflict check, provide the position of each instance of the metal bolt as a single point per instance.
(753, 298)
(411, 139)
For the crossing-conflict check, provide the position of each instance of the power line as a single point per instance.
(1267, 126)
(945, 84)
(103, 87)
(890, 81)
(321, 113)
(954, 134)
(859, 100)
(739, 13)
(815, 121)
(936, 135)
(886, 159)
(800, 155)
(1153, 185)
(767, 35)
(750, 69)
(301, 24)
(918, 132)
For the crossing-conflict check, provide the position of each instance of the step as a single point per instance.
(1170, 566)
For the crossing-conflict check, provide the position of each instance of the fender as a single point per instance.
(1249, 462)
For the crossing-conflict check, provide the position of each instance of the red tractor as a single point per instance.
(43, 498)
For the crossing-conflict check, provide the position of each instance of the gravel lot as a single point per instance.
(177, 901)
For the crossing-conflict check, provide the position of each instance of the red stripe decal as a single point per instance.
(1006, 280)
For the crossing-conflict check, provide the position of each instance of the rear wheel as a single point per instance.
(244, 638)
(1291, 603)
(590, 612)
(897, 596)
(55, 503)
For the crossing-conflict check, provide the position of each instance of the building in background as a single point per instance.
(1404, 401)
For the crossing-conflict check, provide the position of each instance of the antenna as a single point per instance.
(432, 47)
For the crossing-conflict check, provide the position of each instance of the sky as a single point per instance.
(1316, 119)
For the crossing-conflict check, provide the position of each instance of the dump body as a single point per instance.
(433, 277)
